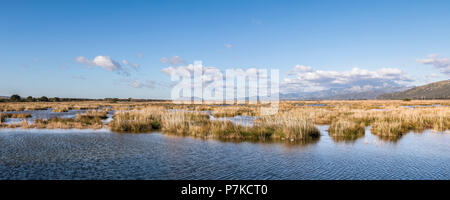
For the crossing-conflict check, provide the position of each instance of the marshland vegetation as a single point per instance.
(295, 120)
(346, 129)
(89, 119)
(199, 124)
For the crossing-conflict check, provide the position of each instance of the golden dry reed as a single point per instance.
(285, 126)
(295, 120)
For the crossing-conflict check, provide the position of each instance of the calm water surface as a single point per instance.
(88, 154)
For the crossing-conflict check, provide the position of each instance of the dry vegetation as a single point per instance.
(345, 128)
(295, 120)
(90, 119)
(198, 124)
(137, 121)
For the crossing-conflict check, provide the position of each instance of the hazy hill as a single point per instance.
(436, 90)
(341, 94)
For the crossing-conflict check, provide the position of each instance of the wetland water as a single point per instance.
(101, 154)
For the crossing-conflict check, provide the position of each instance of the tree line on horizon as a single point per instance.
(18, 98)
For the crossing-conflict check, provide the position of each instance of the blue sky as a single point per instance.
(41, 43)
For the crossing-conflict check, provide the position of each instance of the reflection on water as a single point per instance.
(296, 143)
(348, 138)
(101, 154)
(392, 139)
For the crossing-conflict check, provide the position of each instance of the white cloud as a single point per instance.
(229, 46)
(130, 64)
(305, 79)
(440, 63)
(300, 68)
(104, 62)
(142, 84)
(83, 60)
(208, 73)
(214, 77)
(174, 60)
(135, 83)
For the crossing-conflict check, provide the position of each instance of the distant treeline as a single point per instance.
(17, 98)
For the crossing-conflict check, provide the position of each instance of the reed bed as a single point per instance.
(4, 116)
(199, 125)
(347, 129)
(67, 123)
(295, 120)
(90, 119)
(231, 111)
(15, 115)
(102, 114)
(295, 125)
(61, 109)
(137, 121)
(191, 123)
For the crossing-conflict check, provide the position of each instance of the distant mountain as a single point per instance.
(4, 97)
(436, 90)
(341, 94)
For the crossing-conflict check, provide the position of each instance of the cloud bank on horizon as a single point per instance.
(305, 79)
(300, 78)
(440, 63)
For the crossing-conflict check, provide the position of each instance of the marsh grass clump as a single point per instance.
(401, 121)
(231, 111)
(389, 121)
(441, 122)
(268, 128)
(199, 125)
(229, 130)
(20, 115)
(96, 113)
(37, 107)
(90, 119)
(389, 129)
(137, 121)
(84, 107)
(67, 123)
(185, 123)
(346, 129)
(4, 116)
(61, 109)
(292, 126)
(13, 108)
